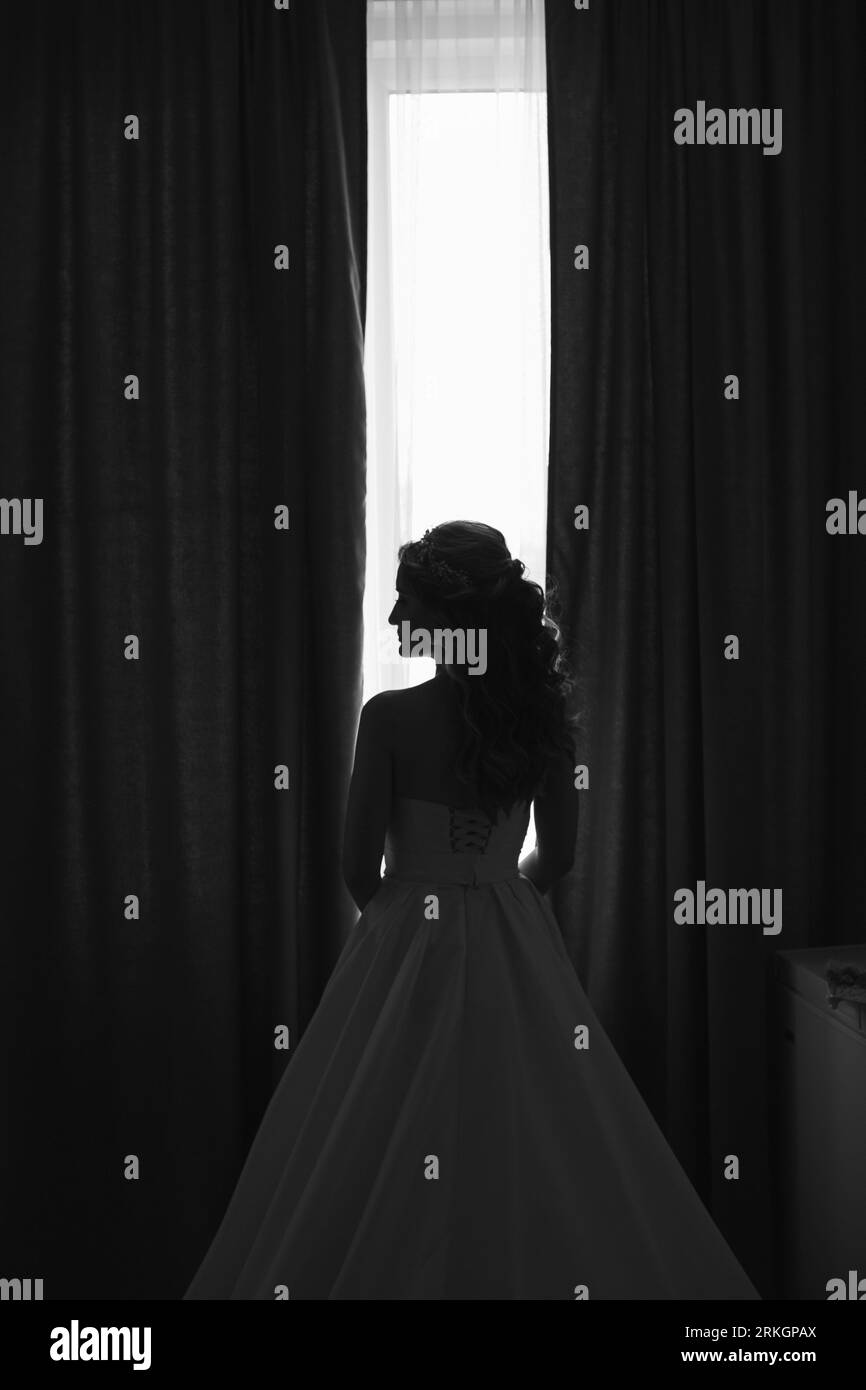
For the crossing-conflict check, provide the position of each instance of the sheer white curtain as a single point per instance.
(458, 319)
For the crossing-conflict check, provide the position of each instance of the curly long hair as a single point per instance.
(518, 715)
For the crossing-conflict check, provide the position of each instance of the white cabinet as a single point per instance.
(818, 1119)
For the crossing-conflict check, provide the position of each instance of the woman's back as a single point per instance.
(424, 733)
(425, 736)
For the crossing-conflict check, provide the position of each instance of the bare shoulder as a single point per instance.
(393, 701)
(393, 714)
(381, 711)
(380, 706)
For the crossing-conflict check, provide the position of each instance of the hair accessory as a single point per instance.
(446, 574)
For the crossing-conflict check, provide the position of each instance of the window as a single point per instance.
(457, 357)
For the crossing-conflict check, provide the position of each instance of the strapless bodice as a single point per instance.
(427, 841)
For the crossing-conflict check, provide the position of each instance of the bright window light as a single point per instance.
(472, 364)
(458, 354)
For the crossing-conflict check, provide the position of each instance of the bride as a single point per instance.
(455, 1124)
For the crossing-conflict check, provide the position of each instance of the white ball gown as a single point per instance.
(454, 1123)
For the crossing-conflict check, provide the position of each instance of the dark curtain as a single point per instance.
(707, 517)
(148, 1030)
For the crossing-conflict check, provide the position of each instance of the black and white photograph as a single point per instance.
(433, 670)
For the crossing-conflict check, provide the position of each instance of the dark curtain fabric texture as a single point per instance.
(707, 517)
(169, 898)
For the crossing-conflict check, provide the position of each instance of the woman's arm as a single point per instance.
(369, 806)
(555, 810)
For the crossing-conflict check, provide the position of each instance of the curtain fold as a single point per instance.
(707, 518)
(166, 903)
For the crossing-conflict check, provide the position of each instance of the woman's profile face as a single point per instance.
(408, 609)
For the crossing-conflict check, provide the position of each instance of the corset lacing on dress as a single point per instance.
(468, 831)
